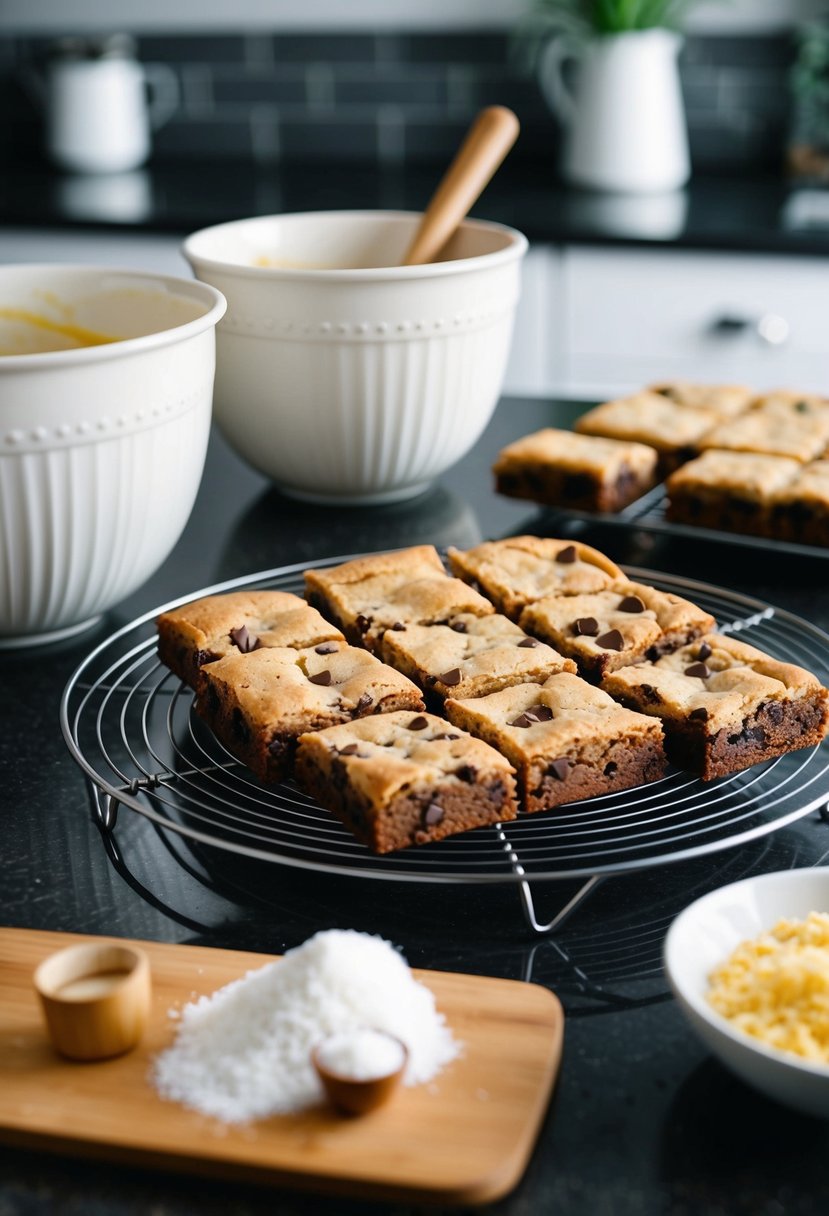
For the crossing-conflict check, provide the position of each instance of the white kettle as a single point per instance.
(624, 118)
(101, 104)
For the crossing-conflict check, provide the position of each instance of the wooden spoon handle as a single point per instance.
(487, 142)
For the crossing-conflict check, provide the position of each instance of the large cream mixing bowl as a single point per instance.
(342, 375)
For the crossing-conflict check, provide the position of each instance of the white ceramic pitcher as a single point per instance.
(624, 118)
(101, 105)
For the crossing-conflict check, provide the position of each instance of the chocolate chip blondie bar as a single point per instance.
(725, 705)
(401, 779)
(777, 425)
(566, 739)
(517, 571)
(585, 472)
(726, 400)
(258, 704)
(369, 595)
(611, 628)
(470, 656)
(733, 491)
(800, 510)
(238, 621)
(650, 418)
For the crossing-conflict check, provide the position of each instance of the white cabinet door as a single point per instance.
(538, 342)
(639, 315)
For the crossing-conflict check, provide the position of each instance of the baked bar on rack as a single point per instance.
(369, 595)
(470, 656)
(585, 472)
(650, 418)
(401, 779)
(258, 704)
(521, 569)
(620, 625)
(780, 424)
(725, 705)
(726, 400)
(566, 739)
(800, 509)
(217, 625)
(733, 491)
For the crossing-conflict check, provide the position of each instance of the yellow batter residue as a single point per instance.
(776, 987)
(74, 333)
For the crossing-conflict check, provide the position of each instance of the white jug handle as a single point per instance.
(164, 92)
(558, 52)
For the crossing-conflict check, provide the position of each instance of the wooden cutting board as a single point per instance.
(465, 1139)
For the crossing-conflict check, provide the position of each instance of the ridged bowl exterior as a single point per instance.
(99, 468)
(361, 390)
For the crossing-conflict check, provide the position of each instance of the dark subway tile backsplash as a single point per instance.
(392, 97)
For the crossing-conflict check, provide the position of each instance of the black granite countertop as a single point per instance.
(748, 212)
(643, 1121)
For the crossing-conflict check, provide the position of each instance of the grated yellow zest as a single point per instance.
(776, 987)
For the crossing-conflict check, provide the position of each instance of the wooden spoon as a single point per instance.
(487, 142)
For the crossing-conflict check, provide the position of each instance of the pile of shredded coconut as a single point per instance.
(245, 1052)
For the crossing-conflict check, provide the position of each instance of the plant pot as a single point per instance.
(624, 118)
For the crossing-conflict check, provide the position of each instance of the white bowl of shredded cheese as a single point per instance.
(749, 966)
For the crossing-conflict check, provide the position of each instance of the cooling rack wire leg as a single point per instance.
(563, 914)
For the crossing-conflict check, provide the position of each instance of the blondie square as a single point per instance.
(585, 472)
(620, 625)
(401, 779)
(517, 571)
(566, 739)
(369, 595)
(776, 425)
(726, 400)
(725, 705)
(470, 656)
(733, 491)
(258, 704)
(800, 509)
(650, 418)
(218, 625)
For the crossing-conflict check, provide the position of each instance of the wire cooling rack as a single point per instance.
(130, 725)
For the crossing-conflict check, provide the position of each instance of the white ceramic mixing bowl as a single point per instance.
(102, 447)
(342, 375)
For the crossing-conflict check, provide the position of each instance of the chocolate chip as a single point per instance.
(567, 555)
(362, 622)
(433, 814)
(522, 720)
(699, 670)
(419, 723)
(244, 640)
(802, 407)
(704, 651)
(350, 749)
(363, 703)
(559, 769)
(699, 715)
(649, 693)
(540, 713)
(399, 627)
(445, 734)
(452, 677)
(585, 627)
(652, 653)
(322, 678)
(774, 712)
(612, 640)
(458, 626)
(278, 746)
(529, 643)
(466, 772)
(611, 768)
(326, 648)
(631, 603)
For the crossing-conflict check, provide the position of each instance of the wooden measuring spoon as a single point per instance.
(487, 142)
